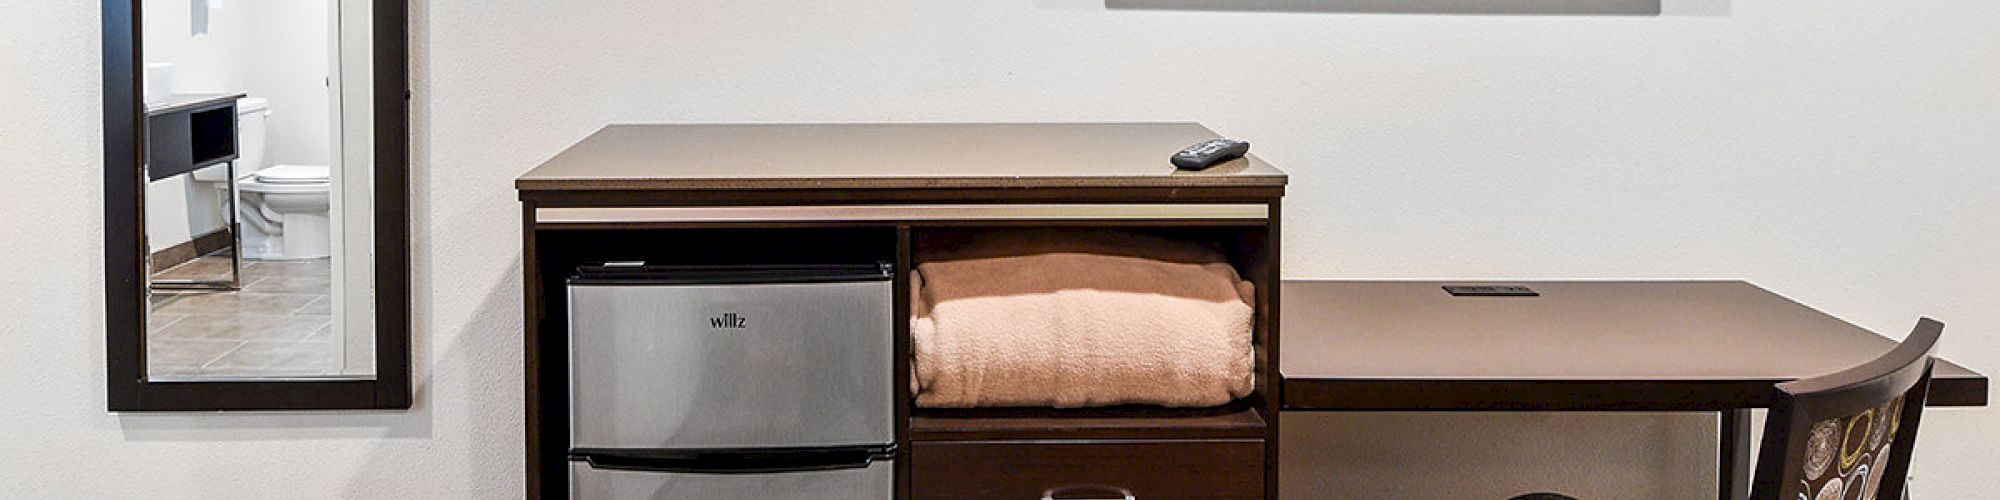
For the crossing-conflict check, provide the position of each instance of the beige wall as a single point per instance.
(1837, 151)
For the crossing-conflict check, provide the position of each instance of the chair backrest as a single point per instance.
(1848, 435)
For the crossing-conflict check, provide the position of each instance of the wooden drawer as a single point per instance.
(1031, 470)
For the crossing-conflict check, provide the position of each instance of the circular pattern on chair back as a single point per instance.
(1846, 456)
(1819, 448)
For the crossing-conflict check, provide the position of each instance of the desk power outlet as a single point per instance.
(1490, 291)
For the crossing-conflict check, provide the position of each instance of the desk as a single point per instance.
(1580, 346)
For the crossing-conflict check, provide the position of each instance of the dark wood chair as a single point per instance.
(1827, 436)
(1845, 435)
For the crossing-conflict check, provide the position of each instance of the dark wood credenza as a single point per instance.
(797, 194)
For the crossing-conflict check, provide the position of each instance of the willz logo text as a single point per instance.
(727, 320)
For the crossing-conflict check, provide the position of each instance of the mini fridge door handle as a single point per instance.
(733, 462)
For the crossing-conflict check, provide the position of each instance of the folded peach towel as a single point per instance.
(1079, 319)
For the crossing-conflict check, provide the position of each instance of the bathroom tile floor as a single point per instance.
(278, 325)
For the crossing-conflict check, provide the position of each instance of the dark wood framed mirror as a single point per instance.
(256, 207)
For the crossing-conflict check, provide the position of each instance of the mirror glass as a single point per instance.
(258, 202)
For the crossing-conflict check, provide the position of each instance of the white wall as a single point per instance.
(290, 61)
(352, 193)
(178, 209)
(1837, 151)
(217, 59)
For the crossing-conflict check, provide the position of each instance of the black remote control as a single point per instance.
(1210, 152)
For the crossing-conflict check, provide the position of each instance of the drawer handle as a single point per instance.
(1106, 492)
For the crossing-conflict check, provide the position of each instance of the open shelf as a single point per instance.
(1244, 247)
(190, 133)
(1161, 423)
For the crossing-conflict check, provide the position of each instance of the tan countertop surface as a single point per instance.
(1713, 330)
(889, 156)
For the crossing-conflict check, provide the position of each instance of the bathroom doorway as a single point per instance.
(259, 265)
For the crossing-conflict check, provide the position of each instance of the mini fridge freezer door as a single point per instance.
(671, 364)
(872, 482)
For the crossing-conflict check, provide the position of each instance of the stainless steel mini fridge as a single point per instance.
(768, 382)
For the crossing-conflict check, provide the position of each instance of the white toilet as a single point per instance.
(283, 209)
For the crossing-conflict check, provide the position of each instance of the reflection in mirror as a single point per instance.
(258, 204)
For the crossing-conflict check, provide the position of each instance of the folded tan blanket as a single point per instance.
(1079, 319)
